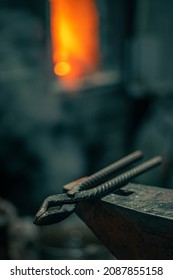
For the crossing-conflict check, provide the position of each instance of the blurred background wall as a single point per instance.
(49, 136)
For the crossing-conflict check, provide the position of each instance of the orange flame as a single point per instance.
(75, 39)
(62, 68)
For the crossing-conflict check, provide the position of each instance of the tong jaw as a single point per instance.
(54, 215)
(53, 210)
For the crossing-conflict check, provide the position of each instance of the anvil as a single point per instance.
(135, 222)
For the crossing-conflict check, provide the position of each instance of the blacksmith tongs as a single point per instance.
(56, 208)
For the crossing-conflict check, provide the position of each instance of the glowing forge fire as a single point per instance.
(75, 38)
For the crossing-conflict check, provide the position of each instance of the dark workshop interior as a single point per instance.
(81, 86)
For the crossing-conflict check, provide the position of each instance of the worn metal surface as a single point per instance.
(134, 223)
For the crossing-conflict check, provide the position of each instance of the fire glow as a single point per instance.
(75, 38)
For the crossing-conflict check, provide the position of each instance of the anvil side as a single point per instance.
(135, 222)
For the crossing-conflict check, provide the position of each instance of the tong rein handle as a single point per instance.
(105, 173)
(111, 185)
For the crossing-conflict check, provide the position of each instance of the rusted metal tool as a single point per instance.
(57, 207)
